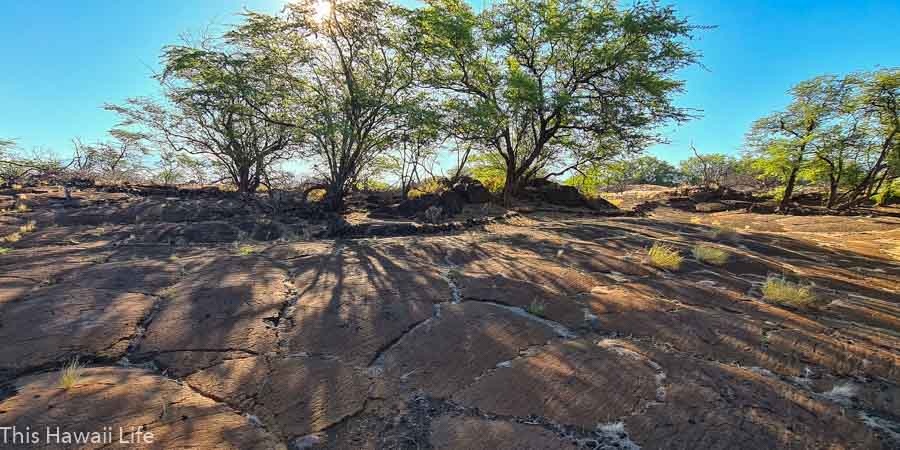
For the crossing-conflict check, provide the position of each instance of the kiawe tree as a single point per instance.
(553, 86)
(208, 113)
(341, 78)
(843, 130)
(878, 102)
(788, 140)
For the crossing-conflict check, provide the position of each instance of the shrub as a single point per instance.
(664, 257)
(722, 232)
(779, 290)
(245, 250)
(536, 308)
(4, 250)
(168, 293)
(70, 374)
(710, 255)
(316, 195)
(22, 208)
(430, 186)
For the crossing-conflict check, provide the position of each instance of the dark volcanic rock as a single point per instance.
(210, 232)
(555, 193)
(451, 203)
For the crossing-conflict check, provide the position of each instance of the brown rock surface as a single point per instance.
(476, 434)
(129, 398)
(296, 396)
(62, 322)
(575, 383)
(218, 306)
(447, 353)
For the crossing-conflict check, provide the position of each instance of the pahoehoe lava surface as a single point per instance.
(537, 331)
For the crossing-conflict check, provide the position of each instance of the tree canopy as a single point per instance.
(553, 86)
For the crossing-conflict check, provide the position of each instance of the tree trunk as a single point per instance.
(832, 193)
(334, 196)
(511, 186)
(243, 181)
(788, 190)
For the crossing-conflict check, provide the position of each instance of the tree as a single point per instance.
(839, 131)
(878, 102)
(118, 159)
(208, 113)
(712, 169)
(16, 165)
(178, 167)
(616, 175)
(338, 73)
(553, 86)
(652, 170)
(787, 140)
(413, 155)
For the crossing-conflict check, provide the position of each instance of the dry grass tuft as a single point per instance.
(664, 257)
(28, 227)
(536, 308)
(246, 250)
(70, 374)
(723, 232)
(168, 293)
(13, 237)
(779, 290)
(22, 208)
(710, 255)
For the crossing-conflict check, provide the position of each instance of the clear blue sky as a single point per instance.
(63, 59)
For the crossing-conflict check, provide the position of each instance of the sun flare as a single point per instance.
(322, 10)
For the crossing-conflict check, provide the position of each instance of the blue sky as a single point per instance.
(64, 59)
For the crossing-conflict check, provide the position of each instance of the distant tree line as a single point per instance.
(839, 135)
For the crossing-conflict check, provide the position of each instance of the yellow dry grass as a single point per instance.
(780, 290)
(70, 374)
(12, 237)
(665, 257)
(710, 255)
(28, 227)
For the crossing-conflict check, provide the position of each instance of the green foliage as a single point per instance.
(490, 170)
(889, 193)
(428, 186)
(617, 174)
(537, 308)
(551, 86)
(838, 132)
(709, 169)
(343, 81)
(214, 110)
